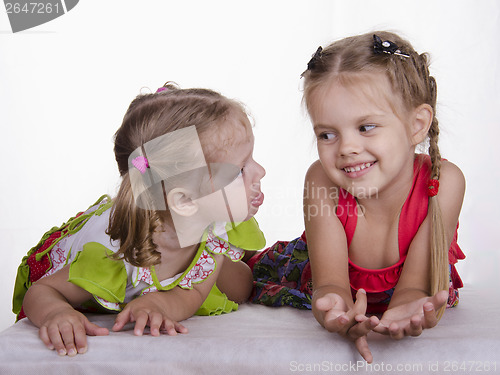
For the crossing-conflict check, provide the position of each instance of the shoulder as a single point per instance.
(318, 185)
(450, 195)
(316, 172)
(451, 184)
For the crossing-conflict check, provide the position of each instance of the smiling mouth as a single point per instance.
(357, 168)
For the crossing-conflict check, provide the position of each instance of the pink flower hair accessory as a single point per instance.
(141, 163)
(433, 187)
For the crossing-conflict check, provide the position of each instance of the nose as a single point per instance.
(350, 144)
(261, 172)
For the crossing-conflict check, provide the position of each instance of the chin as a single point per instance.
(251, 213)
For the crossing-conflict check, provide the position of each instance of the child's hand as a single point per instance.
(145, 311)
(353, 323)
(66, 331)
(412, 318)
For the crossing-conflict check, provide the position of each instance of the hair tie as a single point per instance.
(141, 163)
(386, 47)
(433, 187)
(315, 59)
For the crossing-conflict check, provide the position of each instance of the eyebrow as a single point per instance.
(359, 120)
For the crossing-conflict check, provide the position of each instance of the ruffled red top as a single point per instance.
(412, 215)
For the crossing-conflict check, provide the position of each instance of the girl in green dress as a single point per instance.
(180, 223)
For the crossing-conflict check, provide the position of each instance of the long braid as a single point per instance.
(439, 250)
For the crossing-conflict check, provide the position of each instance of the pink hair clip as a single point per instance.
(433, 187)
(141, 163)
(161, 89)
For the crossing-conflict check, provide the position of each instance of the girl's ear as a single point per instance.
(179, 201)
(421, 122)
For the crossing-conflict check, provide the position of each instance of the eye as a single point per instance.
(240, 172)
(366, 128)
(326, 136)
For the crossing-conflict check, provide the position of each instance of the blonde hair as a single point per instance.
(410, 79)
(148, 117)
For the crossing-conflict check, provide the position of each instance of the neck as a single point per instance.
(185, 231)
(389, 202)
(174, 257)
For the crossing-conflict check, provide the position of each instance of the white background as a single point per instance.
(65, 85)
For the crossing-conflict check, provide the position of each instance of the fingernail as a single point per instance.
(428, 307)
(82, 350)
(61, 352)
(72, 352)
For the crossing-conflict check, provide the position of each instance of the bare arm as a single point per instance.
(326, 239)
(411, 303)
(332, 303)
(235, 280)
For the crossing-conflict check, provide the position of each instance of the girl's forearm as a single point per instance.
(182, 304)
(41, 301)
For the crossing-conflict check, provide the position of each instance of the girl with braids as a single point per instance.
(380, 219)
(185, 157)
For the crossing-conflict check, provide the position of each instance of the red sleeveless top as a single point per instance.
(412, 215)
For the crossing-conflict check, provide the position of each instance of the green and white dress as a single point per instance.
(82, 243)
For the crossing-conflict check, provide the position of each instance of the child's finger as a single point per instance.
(362, 328)
(93, 329)
(361, 302)
(140, 323)
(121, 319)
(155, 322)
(336, 324)
(55, 338)
(325, 303)
(430, 318)
(363, 349)
(415, 328)
(180, 328)
(347, 320)
(169, 327)
(68, 334)
(80, 340)
(395, 332)
(44, 336)
(438, 300)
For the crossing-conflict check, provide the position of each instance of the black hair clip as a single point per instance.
(386, 47)
(315, 58)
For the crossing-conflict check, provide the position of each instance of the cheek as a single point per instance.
(247, 182)
(236, 194)
(327, 155)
